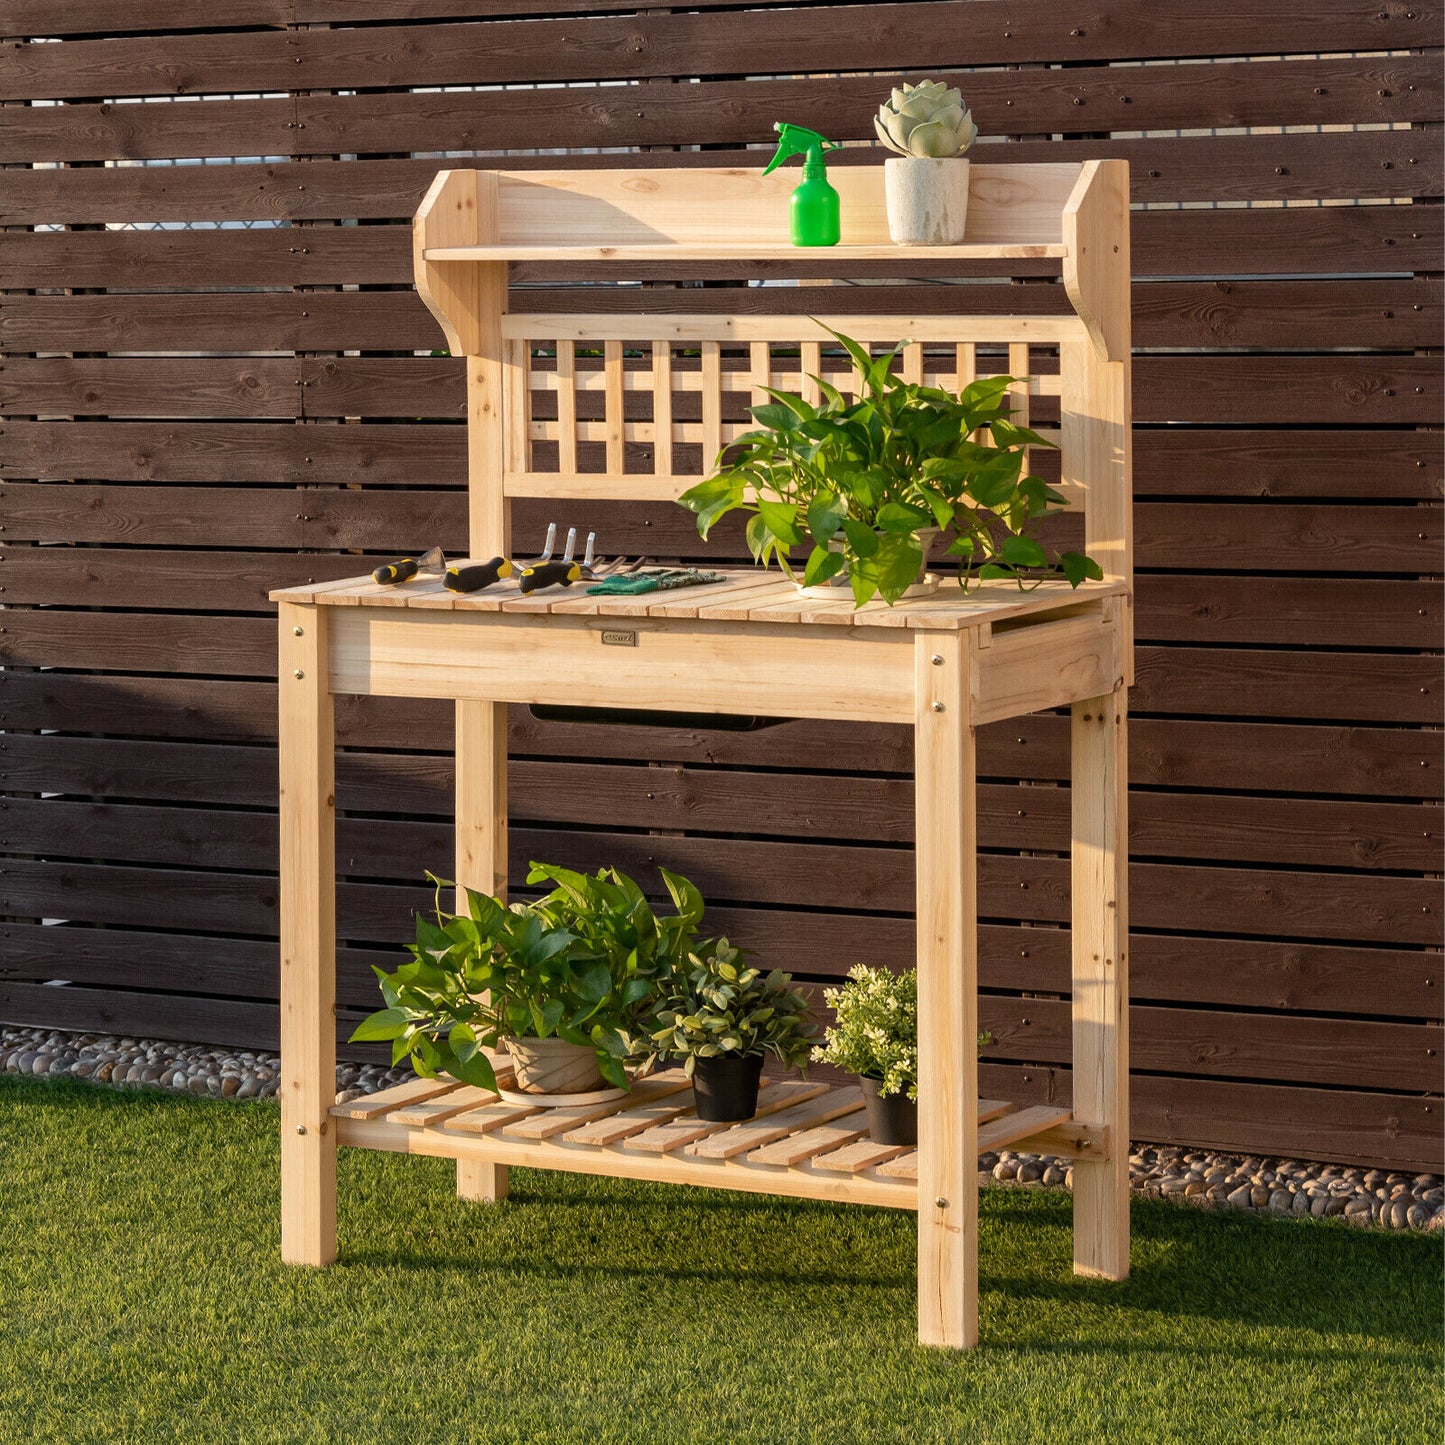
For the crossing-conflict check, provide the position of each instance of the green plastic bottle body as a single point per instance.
(813, 213)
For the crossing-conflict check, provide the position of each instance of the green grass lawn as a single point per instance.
(141, 1299)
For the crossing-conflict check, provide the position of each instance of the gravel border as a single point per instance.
(1201, 1178)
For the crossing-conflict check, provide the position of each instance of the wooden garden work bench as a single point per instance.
(943, 664)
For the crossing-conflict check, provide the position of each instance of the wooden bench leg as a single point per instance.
(947, 909)
(481, 863)
(480, 1182)
(1101, 979)
(308, 940)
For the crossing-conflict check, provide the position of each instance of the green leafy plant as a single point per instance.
(927, 119)
(723, 1006)
(857, 481)
(584, 964)
(876, 1029)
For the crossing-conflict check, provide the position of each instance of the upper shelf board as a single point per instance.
(1076, 214)
(745, 250)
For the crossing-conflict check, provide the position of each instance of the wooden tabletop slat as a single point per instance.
(754, 1133)
(736, 604)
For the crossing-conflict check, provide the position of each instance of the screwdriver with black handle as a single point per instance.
(476, 576)
(403, 570)
(549, 574)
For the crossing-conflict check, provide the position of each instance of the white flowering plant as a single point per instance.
(875, 1032)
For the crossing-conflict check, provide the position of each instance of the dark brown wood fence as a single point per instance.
(215, 380)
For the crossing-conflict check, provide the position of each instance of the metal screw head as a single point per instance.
(301, 1128)
(938, 707)
(297, 632)
(937, 659)
(941, 1202)
(298, 673)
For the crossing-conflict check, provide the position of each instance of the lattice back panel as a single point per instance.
(644, 418)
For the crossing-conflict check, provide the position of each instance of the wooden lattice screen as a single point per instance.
(217, 378)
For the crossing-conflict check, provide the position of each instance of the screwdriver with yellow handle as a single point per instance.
(546, 573)
(389, 574)
(476, 576)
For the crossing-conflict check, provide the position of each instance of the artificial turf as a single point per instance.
(142, 1299)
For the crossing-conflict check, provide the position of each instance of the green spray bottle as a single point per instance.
(813, 213)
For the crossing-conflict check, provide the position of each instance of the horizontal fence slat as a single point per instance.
(1288, 537)
(1264, 903)
(1341, 90)
(1279, 314)
(1320, 240)
(201, 452)
(1290, 167)
(1363, 687)
(1224, 828)
(164, 387)
(1188, 752)
(1242, 973)
(1344, 464)
(804, 38)
(1315, 390)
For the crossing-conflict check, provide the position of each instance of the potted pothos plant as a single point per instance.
(567, 983)
(875, 1035)
(720, 1016)
(866, 484)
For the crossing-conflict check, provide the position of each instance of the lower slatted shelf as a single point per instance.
(806, 1140)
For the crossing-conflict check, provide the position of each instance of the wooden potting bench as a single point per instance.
(943, 664)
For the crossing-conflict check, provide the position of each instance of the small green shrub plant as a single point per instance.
(875, 1033)
(584, 963)
(721, 1006)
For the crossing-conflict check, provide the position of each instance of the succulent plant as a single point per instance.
(927, 119)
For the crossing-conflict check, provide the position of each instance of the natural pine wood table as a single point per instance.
(943, 664)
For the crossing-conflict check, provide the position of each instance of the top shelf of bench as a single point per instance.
(473, 222)
(745, 250)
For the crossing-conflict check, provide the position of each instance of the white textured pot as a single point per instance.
(553, 1066)
(926, 585)
(927, 199)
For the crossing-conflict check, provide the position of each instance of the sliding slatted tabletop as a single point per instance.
(807, 1139)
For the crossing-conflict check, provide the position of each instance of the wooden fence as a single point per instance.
(216, 379)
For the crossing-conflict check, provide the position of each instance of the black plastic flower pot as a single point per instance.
(892, 1119)
(725, 1088)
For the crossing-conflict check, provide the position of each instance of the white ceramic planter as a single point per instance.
(926, 585)
(927, 199)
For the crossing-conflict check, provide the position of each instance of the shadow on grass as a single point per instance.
(1300, 1275)
(1304, 1275)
